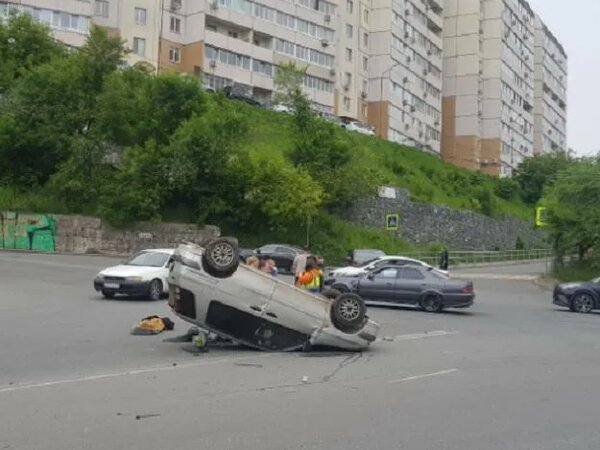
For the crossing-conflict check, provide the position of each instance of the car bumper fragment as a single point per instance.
(123, 287)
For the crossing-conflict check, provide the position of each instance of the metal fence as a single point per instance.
(480, 257)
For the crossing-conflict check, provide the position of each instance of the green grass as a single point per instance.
(577, 271)
(428, 178)
(30, 201)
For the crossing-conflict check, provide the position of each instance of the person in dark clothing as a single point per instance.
(444, 259)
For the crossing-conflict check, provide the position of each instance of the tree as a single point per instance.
(288, 82)
(573, 209)
(24, 44)
(534, 173)
(506, 188)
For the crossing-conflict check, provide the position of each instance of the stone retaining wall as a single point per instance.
(81, 234)
(460, 230)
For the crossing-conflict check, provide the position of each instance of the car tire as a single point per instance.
(432, 303)
(331, 293)
(348, 312)
(155, 290)
(582, 302)
(108, 294)
(221, 257)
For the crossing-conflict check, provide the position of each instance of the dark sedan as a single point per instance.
(580, 297)
(412, 285)
(282, 254)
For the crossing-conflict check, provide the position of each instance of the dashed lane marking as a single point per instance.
(415, 336)
(425, 375)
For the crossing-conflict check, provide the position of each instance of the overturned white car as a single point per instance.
(210, 288)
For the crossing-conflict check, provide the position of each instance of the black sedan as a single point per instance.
(282, 254)
(580, 297)
(412, 285)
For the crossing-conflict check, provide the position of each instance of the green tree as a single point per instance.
(573, 209)
(288, 81)
(534, 173)
(24, 44)
(506, 188)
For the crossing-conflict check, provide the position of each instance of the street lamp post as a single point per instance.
(388, 71)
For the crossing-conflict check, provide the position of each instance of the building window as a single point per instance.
(365, 15)
(140, 16)
(101, 8)
(175, 25)
(349, 6)
(349, 54)
(347, 103)
(349, 31)
(365, 86)
(365, 112)
(365, 63)
(366, 39)
(174, 55)
(232, 34)
(139, 46)
(347, 79)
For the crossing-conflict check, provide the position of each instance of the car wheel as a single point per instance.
(155, 290)
(348, 312)
(583, 303)
(108, 294)
(221, 257)
(432, 303)
(331, 293)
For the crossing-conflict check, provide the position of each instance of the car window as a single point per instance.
(148, 259)
(410, 273)
(390, 272)
(268, 248)
(285, 250)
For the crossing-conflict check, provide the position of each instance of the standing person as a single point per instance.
(312, 278)
(252, 261)
(299, 264)
(444, 259)
(268, 266)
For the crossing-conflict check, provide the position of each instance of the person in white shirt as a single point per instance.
(299, 264)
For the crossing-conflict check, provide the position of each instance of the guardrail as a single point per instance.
(480, 257)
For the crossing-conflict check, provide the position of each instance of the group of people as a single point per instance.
(307, 274)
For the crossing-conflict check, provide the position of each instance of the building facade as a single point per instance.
(550, 105)
(405, 81)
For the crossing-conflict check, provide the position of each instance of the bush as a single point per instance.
(520, 244)
(487, 202)
(506, 188)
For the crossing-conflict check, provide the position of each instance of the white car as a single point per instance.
(359, 128)
(357, 271)
(282, 108)
(144, 274)
(208, 287)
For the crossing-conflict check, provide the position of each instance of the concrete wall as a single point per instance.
(80, 234)
(459, 230)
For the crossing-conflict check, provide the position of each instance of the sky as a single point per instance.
(576, 25)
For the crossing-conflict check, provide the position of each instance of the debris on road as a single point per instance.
(146, 416)
(152, 325)
(187, 337)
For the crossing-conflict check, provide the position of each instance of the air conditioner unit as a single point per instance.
(327, 18)
(332, 72)
(404, 102)
(214, 5)
(429, 52)
(408, 59)
(324, 43)
(406, 35)
(213, 63)
(407, 12)
(363, 94)
(437, 123)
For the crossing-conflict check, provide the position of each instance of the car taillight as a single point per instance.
(467, 289)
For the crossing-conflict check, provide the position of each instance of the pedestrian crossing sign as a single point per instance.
(392, 221)
(540, 216)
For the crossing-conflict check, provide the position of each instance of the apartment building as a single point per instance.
(69, 20)
(490, 88)
(405, 82)
(550, 104)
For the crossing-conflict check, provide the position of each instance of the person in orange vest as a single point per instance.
(312, 278)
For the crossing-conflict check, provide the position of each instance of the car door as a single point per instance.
(379, 285)
(411, 283)
(284, 257)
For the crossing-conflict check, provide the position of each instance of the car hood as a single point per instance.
(348, 272)
(123, 270)
(574, 285)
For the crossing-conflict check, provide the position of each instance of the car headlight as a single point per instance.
(134, 278)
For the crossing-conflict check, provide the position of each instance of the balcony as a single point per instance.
(238, 46)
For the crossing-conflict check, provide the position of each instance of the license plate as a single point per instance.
(112, 285)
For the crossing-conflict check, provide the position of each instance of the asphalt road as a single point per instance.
(513, 372)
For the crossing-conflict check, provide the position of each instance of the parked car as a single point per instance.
(144, 274)
(352, 125)
(583, 296)
(412, 285)
(360, 256)
(208, 287)
(282, 254)
(332, 278)
(234, 95)
(282, 108)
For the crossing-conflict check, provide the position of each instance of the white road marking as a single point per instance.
(425, 375)
(415, 336)
(125, 373)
